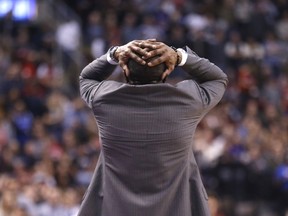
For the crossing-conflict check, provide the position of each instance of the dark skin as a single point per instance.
(147, 49)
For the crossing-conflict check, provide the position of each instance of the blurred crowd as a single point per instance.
(48, 138)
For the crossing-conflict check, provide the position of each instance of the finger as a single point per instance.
(151, 39)
(157, 60)
(137, 53)
(137, 58)
(164, 76)
(126, 70)
(123, 59)
(124, 67)
(140, 42)
(155, 52)
(150, 45)
(122, 64)
(166, 73)
(144, 43)
(149, 48)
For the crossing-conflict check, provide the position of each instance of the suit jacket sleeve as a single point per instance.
(210, 79)
(92, 76)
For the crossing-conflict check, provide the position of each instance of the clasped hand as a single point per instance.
(141, 50)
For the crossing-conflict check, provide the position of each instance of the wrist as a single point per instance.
(183, 56)
(178, 56)
(116, 54)
(112, 58)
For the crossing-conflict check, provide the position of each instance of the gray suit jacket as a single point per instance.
(146, 166)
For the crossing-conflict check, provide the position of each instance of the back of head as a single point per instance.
(143, 74)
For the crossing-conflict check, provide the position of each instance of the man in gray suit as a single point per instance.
(146, 166)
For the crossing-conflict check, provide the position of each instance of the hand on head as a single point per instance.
(166, 55)
(132, 50)
(147, 49)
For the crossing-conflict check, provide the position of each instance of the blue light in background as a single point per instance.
(5, 6)
(21, 9)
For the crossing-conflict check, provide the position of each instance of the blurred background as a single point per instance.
(49, 140)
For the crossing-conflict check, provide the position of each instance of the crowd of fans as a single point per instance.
(48, 138)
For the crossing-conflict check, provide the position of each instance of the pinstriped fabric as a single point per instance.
(147, 165)
(147, 153)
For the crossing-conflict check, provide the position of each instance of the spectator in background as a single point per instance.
(150, 28)
(8, 204)
(236, 49)
(31, 68)
(282, 27)
(130, 28)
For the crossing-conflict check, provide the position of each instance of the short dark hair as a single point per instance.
(144, 74)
